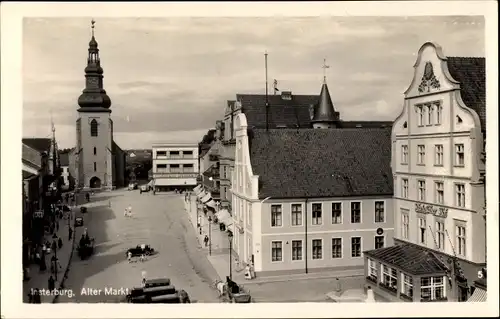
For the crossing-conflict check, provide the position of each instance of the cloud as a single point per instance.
(175, 74)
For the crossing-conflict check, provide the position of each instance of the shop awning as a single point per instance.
(224, 217)
(206, 198)
(211, 203)
(479, 295)
(197, 189)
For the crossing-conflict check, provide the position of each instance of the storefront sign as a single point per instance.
(38, 214)
(429, 209)
(175, 175)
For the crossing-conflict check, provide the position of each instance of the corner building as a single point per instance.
(439, 190)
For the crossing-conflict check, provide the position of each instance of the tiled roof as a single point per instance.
(289, 113)
(409, 258)
(38, 144)
(295, 163)
(471, 73)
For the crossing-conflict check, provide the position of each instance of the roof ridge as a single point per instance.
(466, 57)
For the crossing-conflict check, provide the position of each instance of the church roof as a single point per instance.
(38, 144)
(302, 163)
(471, 73)
(325, 111)
(283, 112)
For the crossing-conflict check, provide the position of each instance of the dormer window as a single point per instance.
(286, 95)
(405, 124)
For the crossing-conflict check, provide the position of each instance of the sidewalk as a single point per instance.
(40, 279)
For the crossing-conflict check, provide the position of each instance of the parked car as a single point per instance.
(144, 188)
(139, 250)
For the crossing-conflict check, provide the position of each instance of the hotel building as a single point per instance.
(438, 166)
(175, 166)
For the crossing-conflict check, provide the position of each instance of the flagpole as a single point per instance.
(267, 99)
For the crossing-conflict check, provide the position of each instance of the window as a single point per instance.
(439, 113)
(405, 221)
(460, 195)
(438, 160)
(161, 153)
(420, 115)
(432, 288)
(175, 168)
(94, 130)
(440, 235)
(317, 252)
(161, 168)
(404, 187)
(429, 114)
(356, 212)
(404, 154)
(439, 192)
(379, 212)
(276, 251)
(421, 190)
(460, 239)
(296, 214)
(406, 285)
(336, 213)
(356, 247)
(187, 153)
(336, 247)
(95, 150)
(317, 218)
(421, 154)
(174, 153)
(372, 269)
(422, 229)
(276, 220)
(224, 172)
(459, 155)
(95, 167)
(296, 249)
(389, 277)
(379, 242)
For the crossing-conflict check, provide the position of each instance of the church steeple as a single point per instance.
(94, 97)
(325, 115)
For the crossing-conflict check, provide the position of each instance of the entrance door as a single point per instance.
(95, 182)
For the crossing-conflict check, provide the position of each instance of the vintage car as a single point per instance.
(78, 222)
(83, 209)
(140, 250)
(237, 293)
(158, 282)
(158, 294)
(144, 188)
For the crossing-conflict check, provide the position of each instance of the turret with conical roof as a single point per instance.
(324, 113)
(94, 97)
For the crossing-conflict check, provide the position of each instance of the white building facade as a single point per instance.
(175, 165)
(439, 193)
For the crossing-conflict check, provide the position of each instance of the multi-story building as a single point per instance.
(438, 166)
(175, 166)
(286, 110)
(310, 199)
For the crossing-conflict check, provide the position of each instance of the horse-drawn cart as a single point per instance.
(86, 248)
(232, 292)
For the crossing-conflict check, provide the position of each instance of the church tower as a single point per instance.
(94, 127)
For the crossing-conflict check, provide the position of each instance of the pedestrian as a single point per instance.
(59, 243)
(130, 210)
(125, 212)
(70, 233)
(143, 273)
(205, 240)
(52, 283)
(142, 258)
(57, 226)
(129, 257)
(54, 245)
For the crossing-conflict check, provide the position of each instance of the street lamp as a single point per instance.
(230, 237)
(210, 235)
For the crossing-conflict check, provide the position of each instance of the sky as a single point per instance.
(169, 78)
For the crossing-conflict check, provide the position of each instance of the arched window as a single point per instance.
(93, 128)
(95, 150)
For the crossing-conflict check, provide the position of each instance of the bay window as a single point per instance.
(389, 277)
